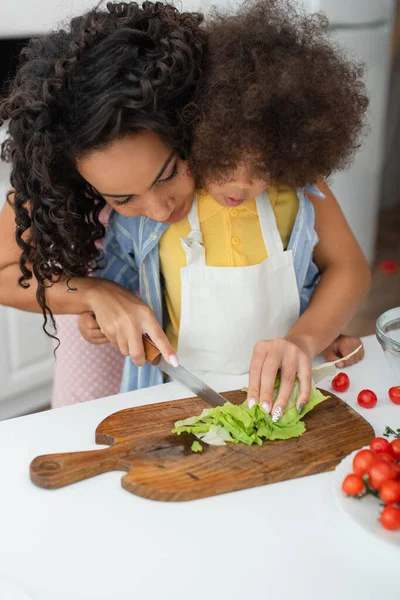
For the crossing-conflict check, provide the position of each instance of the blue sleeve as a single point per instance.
(118, 262)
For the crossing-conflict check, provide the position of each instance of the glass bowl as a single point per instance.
(388, 334)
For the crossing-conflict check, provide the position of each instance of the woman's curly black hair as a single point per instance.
(111, 72)
(277, 92)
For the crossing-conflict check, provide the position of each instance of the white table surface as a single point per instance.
(94, 540)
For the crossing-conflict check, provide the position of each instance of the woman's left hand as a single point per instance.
(343, 346)
(292, 359)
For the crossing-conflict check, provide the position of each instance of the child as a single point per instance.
(278, 108)
(138, 171)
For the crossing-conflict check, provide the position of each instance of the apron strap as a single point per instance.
(193, 216)
(193, 244)
(269, 228)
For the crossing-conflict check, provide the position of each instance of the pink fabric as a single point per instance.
(84, 371)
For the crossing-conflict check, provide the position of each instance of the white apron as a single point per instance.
(225, 311)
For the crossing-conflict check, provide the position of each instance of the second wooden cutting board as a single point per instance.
(161, 466)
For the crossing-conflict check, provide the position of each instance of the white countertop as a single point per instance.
(95, 541)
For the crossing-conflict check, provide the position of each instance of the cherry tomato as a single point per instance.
(353, 485)
(390, 518)
(367, 399)
(379, 445)
(390, 491)
(380, 472)
(396, 467)
(341, 382)
(395, 446)
(363, 461)
(394, 394)
(388, 458)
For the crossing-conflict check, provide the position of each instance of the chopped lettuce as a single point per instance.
(239, 423)
(197, 447)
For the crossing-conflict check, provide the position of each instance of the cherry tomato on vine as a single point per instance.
(387, 457)
(379, 445)
(367, 399)
(363, 461)
(353, 485)
(395, 446)
(380, 472)
(341, 382)
(390, 518)
(390, 491)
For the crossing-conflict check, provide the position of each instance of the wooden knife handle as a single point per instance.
(52, 471)
(152, 353)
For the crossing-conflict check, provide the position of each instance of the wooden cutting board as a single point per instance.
(161, 466)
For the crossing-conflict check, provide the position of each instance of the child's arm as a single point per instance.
(121, 315)
(345, 280)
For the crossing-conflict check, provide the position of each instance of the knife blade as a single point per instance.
(198, 387)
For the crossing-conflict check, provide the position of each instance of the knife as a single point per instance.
(193, 383)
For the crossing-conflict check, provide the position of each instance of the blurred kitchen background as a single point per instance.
(368, 193)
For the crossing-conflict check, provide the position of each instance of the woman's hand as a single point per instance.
(343, 346)
(292, 358)
(123, 319)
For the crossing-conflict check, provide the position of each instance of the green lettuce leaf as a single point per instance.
(239, 423)
(196, 447)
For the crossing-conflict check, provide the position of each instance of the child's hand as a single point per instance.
(90, 330)
(123, 319)
(343, 346)
(289, 357)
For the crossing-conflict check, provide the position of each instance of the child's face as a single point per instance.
(139, 175)
(240, 187)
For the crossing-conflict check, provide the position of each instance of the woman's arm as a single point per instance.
(121, 315)
(345, 278)
(12, 294)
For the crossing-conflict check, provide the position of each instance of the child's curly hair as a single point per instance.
(276, 93)
(109, 73)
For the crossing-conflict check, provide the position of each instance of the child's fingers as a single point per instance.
(304, 376)
(288, 376)
(256, 366)
(89, 321)
(95, 336)
(99, 341)
(268, 377)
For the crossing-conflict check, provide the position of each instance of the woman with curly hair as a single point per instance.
(122, 73)
(278, 110)
(110, 140)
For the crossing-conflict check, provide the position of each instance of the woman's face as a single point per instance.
(140, 175)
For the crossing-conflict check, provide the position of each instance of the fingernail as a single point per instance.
(301, 408)
(276, 415)
(173, 359)
(266, 407)
(340, 365)
(251, 402)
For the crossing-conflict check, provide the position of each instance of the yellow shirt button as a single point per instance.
(235, 241)
(233, 212)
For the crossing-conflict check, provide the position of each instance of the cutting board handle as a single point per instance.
(152, 353)
(53, 471)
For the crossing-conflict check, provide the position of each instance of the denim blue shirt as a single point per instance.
(131, 254)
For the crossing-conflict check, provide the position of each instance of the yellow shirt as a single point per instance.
(232, 237)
